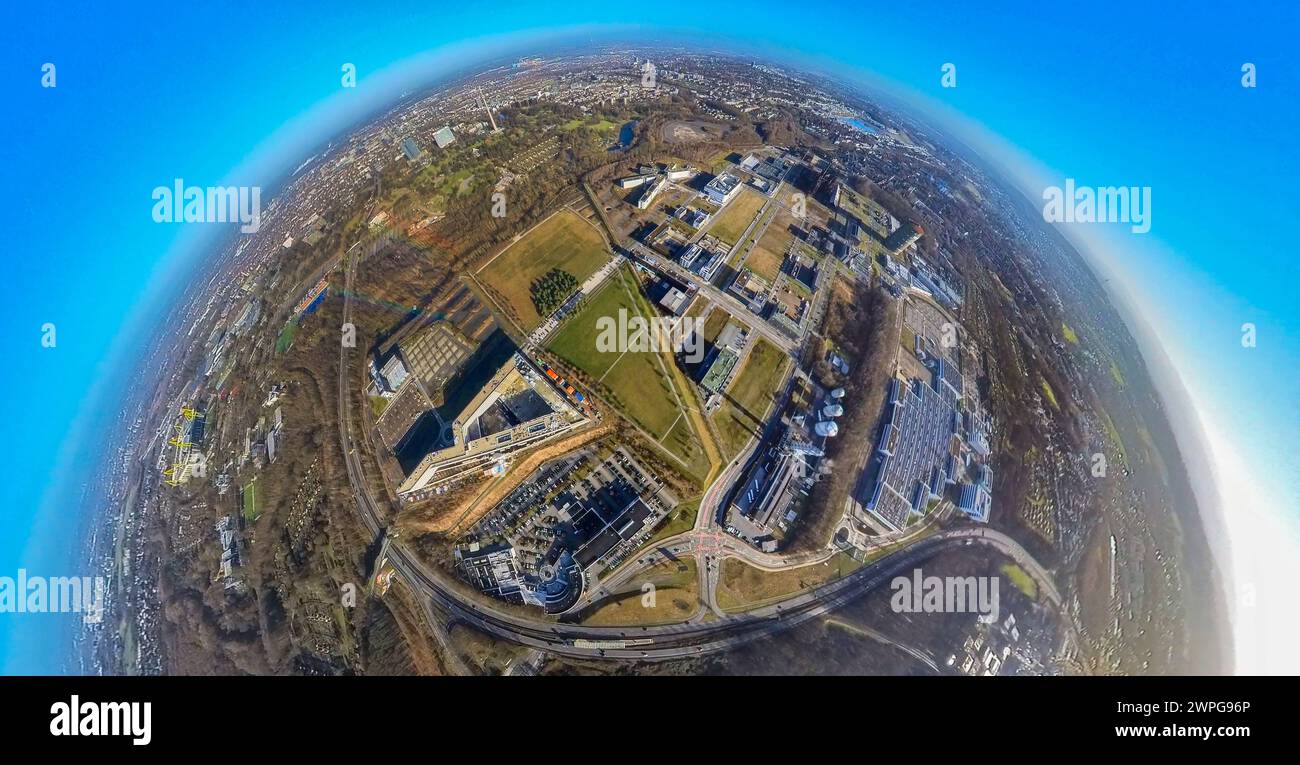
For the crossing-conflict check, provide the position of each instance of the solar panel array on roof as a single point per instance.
(913, 453)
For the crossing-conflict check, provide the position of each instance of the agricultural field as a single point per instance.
(564, 241)
(731, 223)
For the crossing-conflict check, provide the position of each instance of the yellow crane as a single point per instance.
(174, 475)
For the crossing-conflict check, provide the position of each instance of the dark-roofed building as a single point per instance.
(769, 488)
(411, 149)
(913, 457)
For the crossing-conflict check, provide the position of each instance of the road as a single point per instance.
(447, 602)
(706, 540)
(640, 255)
(356, 476)
(691, 638)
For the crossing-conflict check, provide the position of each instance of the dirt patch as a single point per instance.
(693, 131)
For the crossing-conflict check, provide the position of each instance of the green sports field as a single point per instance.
(286, 337)
(251, 511)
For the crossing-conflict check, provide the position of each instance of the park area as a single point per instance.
(643, 386)
(741, 414)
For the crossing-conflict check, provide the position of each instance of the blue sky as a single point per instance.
(1109, 94)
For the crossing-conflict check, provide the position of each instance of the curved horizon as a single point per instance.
(1233, 498)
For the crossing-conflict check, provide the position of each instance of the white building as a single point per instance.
(394, 373)
(721, 189)
(444, 137)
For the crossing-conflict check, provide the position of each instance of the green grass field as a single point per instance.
(675, 598)
(599, 125)
(285, 339)
(681, 440)
(576, 340)
(736, 216)
(250, 502)
(1069, 334)
(635, 380)
(564, 241)
(1022, 580)
(638, 384)
(1117, 375)
(1050, 395)
(680, 520)
(740, 415)
(645, 393)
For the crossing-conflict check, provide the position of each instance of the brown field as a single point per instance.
(565, 241)
(736, 216)
(742, 587)
(750, 397)
(768, 255)
(715, 323)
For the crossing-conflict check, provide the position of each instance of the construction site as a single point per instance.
(179, 460)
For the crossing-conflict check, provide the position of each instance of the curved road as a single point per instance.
(443, 600)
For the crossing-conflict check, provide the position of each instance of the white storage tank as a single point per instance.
(826, 429)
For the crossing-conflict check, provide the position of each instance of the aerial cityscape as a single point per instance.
(635, 354)
(867, 356)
